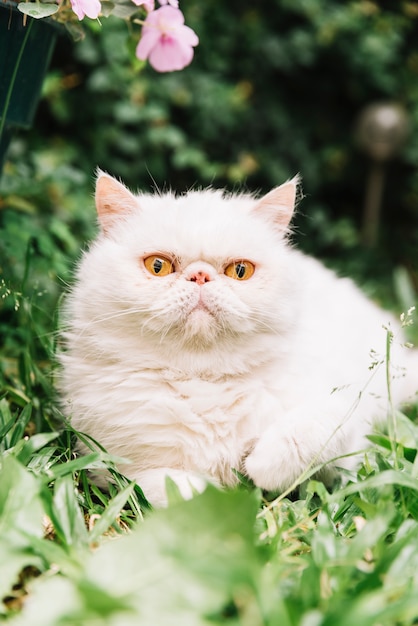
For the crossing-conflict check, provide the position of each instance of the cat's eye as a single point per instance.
(158, 265)
(240, 270)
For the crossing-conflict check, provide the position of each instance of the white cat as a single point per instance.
(199, 343)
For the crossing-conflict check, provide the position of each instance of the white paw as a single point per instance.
(153, 484)
(189, 484)
(276, 464)
(281, 459)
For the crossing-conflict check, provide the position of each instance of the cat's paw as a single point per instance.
(276, 463)
(153, 484)
(188, 484)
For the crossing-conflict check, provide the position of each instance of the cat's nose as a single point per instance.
(200, 277)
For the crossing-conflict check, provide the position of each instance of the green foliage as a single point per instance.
(42, 215)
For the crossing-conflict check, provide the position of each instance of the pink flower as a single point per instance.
(166, 42)
(147, 4)
(91, 8)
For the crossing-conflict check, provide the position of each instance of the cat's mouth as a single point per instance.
(201, 312)
(200, 304)
(201, 323)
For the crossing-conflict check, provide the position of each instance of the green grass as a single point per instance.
(72, 554)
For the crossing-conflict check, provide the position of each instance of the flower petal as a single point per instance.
(148, 41)
(188, 36)
(91, 8)
(170, 55)
(168, 17)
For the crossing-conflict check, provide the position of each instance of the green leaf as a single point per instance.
(13, 560)
(197, 555)
(21, 424)
(388, 477)
(20, 521)
(37, 10)
(20, 505)
(123, 11)
(50, 600)
(184, 565)
(25, 449)
(107, 8)
(7, 421)
(66, 514)
(95, 460)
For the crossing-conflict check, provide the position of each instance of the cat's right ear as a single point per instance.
(279, 204)
(113, 200)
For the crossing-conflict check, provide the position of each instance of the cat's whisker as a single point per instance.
(116, 315)
(104, 319)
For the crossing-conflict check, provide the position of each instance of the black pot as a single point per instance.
(26, 46)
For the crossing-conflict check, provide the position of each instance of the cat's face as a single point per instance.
(194, 269)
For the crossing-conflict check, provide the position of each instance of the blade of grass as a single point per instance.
(112, 510)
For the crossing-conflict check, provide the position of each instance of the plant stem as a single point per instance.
(13, 79)
(392, 416)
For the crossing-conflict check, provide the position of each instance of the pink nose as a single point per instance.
(200, 278)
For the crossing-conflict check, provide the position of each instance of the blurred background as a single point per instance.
(276, 88)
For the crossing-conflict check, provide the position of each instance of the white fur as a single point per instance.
(193, 381)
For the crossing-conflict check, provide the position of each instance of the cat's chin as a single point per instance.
(201, 327)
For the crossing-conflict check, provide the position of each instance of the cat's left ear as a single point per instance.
(113, 200)
(279, 204)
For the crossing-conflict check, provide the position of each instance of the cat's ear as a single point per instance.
(113, 200)
(279, 204)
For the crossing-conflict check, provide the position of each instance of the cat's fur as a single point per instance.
(194, 379)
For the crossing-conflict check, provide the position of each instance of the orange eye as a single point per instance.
(240, 270)
(158, 265)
